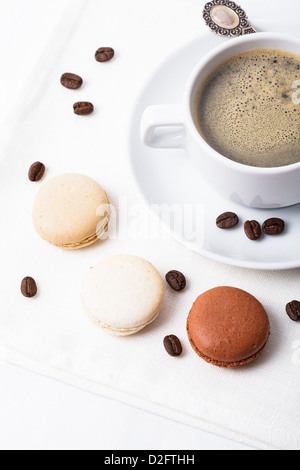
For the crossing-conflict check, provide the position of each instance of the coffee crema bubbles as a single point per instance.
(248, 109)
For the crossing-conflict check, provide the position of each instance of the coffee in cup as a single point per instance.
(248, 108)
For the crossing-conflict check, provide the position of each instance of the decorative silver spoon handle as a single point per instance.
(226, 18)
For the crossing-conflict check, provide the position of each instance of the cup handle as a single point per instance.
(162, 126)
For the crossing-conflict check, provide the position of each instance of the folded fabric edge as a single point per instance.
(18, 359)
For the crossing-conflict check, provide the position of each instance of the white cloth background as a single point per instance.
(50, 334)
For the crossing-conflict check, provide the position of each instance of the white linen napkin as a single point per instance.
(50, 334)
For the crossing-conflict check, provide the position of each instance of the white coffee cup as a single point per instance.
(172, 126)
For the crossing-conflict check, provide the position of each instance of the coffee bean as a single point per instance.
(252, 229)
(176, 280)
(28, 287)
(71, 81)
(227, 220)
(293, 310)
(83, 108)
(172, 345)
(36, 171)
(103, 54)
(273, 226)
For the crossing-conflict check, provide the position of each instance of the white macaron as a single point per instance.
(123, 294)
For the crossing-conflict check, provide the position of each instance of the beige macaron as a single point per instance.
(71, 211)
(122, 294)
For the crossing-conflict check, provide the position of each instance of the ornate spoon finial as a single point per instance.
(226, 18)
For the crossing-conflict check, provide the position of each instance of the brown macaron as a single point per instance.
(228, 327)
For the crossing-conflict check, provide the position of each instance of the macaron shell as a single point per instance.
(123, 294)
(224, 364)
(228, 327)
(123, 331)
(71, 211)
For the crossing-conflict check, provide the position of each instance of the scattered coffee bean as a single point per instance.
(273, 226)
(176, 280)
(227, 220)
(36, 171)
(71, 81)
(103, 54)
(293, 310)
(172, 345)
(83, 108)
(252, 229)
(28, 287)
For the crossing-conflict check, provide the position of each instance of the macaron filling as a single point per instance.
(225, 364)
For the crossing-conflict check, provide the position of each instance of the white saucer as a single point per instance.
(167, 180)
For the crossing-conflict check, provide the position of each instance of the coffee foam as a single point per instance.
(245, 108)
